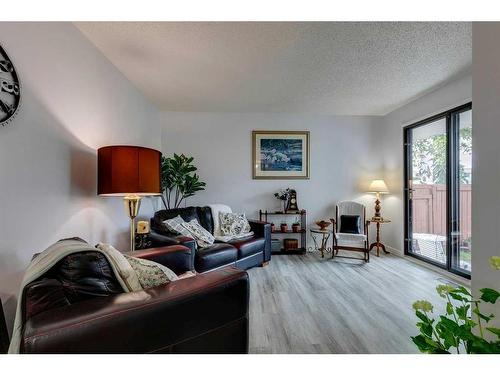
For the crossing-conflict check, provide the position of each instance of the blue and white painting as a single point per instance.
(281, 154)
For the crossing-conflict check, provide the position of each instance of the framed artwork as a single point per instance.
(280, 154)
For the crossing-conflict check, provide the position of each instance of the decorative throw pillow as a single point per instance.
(232, 224)
(232, 238)
(149, 273)
(350, 224)
(175, 225)
(202, 236)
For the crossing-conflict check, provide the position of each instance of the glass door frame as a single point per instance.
(452, 189)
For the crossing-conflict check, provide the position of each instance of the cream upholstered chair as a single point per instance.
(350, 240)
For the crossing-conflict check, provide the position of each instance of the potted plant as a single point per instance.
(283, 195)
(284, 227)
(457, 329)
(273, 227)
(179, 180)
(296, 227)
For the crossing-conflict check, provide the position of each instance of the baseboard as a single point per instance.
(449, 275)
(395, 251)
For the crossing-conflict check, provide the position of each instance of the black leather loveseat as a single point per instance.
(244, 253)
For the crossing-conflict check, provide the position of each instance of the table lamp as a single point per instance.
(130, 172)
(378, 187)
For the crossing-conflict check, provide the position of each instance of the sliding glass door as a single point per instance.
(438, 177)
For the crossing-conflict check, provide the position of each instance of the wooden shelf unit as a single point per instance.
(264, 216)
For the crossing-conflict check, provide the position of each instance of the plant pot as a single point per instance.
(296, 228)
(284, 227)
(273, 227)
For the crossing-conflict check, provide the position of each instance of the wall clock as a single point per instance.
(10, 89)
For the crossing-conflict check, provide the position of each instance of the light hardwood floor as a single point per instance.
(305, 304)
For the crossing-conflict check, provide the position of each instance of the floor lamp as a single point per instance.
(130, 172)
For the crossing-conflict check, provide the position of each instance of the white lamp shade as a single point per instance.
(378, 186)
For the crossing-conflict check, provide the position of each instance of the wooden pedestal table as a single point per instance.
(325, 235)
(379, 245)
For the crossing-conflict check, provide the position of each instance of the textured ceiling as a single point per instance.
(329, 67)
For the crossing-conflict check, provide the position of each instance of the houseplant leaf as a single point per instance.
(489, 295)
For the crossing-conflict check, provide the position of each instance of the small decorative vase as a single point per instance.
(296, 228)
(284, 227)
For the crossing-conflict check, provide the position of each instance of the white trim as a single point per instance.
(393, 250)
(447, 274)
(445, 109)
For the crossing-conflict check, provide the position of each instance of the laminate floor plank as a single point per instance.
(309, 304)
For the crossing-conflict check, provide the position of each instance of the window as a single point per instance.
(438, 186)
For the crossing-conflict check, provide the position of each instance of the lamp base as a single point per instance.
(132, 204)
(377, 216)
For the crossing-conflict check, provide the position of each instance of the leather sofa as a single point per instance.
(244, 253)
(79, 307)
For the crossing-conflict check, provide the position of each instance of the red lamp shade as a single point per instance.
(128, 170)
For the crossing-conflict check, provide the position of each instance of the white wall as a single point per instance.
(73, 101)
(342, 161)
(451, 95)
(486, 162)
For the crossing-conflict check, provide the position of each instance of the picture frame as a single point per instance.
(280, 155)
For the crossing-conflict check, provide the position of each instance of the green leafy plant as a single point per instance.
(456, 329)
(429, 158)
(179, 179)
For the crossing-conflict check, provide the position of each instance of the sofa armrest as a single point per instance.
(263, 229)
(178, 258)
(206, 313)
(179, 240)
(159, 240)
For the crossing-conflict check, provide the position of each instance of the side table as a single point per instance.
(325, 235)
(379, 245)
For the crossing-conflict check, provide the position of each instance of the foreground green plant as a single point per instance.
(454, 330)
(179, 180)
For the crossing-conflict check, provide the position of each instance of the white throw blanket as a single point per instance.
(216, 209)
(49, 257)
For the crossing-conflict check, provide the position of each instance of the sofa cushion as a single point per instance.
(187, 213)
(202, 236)
(350, 224)
(41, 295)
(249, 246)
(149, 273)
(176, 225)
(217, 255)
(232, 224)
(215, 210)
(205, 218)
(76, 277)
